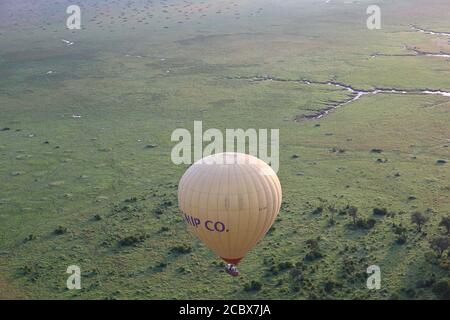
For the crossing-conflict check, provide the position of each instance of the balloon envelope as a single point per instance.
(229, 201)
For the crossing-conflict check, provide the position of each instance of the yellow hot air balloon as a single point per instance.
(229, 201)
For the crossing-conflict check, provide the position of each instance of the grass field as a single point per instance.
(73, 187)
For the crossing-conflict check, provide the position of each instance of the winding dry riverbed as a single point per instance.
(416, 52)
(354, 93)
(435, 33)
(440, 54)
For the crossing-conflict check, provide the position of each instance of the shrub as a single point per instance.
(285, 265)
(30, 237)
(164, 229)
(253, 286)
(440, 244)
(181, 249)
(166, 204)
(419, 219)
(330, 285)
(398, 229)
(131, 200)
(421, 284)
(160, 267)
(445, 222)
(410, 292)
(60, 230)
(318, 210)
(380, 211)
(442, 289)
(313, 255)
(353, 212)
(401, 239)
(131, 240)
(313, 244)
(364, 223)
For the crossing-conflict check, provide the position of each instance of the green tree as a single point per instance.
(445, 222)
(419, 219)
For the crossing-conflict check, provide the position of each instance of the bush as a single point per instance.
(398, 229)
(380, 211)
(131, 240)
(352, 211)
(330, 285)
(442, 289)
(30, 237)
(313, 244)
(181, 249)
(313, 255)
(318, 210)
(418, 219)
(166, 204)
(401, 239)
(445, 222)
(131, 200)
(60, 230)
(422, 284)
(285, 265)
(164, 229)
(440, 244)
(253, 286)
(160, 267)
(364, 224)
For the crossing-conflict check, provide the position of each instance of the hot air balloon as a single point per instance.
(229, 201)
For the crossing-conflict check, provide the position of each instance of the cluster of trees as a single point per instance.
(439, 243)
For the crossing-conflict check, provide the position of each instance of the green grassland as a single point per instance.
(100, 191)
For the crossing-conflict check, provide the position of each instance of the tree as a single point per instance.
(353, 212)
(442, 289)
(332, 209)
(314, 253)
(445, 222)
(313, 244)
(418, 219)
(440, 244)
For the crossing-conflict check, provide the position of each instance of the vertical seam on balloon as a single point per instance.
(248, 239)
(238, 179)
(275, 199)
(268, 215)
(246, 179)
(255, 231)
(216, 240)
(199, 178)
(227, 197)
(201, 233)
(221, 247)
(241, 238)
